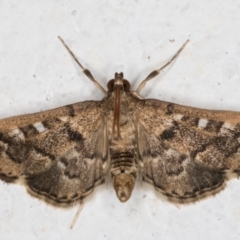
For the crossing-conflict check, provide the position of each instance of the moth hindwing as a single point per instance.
(61, 155)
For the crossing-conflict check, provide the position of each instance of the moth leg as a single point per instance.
(85, 70)
(77, 214)
(156, 72)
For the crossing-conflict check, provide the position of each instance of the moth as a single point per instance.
(61, 155)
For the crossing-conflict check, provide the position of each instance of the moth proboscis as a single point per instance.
(61, 155)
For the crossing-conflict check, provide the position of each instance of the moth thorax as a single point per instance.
(123, 184)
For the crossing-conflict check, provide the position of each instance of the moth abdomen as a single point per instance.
(122, 159)
(124, 174)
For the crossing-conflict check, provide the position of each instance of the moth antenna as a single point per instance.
(85, 70)
(156, 72)
(77, 215)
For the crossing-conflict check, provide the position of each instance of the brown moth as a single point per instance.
(61, 155)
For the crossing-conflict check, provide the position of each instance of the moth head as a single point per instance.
(123, 184)
(118, 82)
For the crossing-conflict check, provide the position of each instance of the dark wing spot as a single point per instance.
(29, 131)
(213, 126)
(1, 136)
(2, 149)
(170, 108)
(182, 157)
(227, 145)
(51, 123)
(17, 152)
(44, 153)
(71, 110)
(185, 118)
(73, 135)
(201, 148)
(190, 121)
(64, 160)
(194, 121)
(168, 134)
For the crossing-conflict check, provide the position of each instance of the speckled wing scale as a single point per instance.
(61, 155)
(188, 153)
(53, 154)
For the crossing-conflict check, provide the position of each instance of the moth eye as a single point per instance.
(126, 85)
(110, 85)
